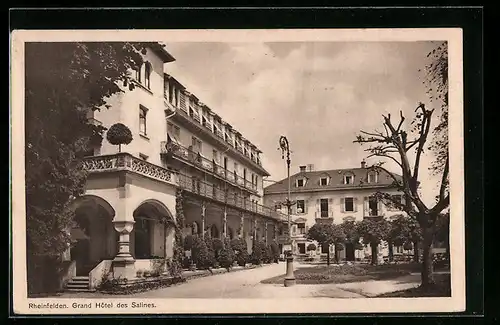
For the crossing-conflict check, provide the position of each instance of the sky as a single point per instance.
(317, 94)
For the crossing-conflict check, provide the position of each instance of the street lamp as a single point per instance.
(285, 152)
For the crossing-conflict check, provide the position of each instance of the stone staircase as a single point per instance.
(78, 284)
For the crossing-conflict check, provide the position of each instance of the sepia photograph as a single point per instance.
(225, 171)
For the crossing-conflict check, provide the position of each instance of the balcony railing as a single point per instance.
(125, 161)
(324, 214)
(197, 159)
(211, 191)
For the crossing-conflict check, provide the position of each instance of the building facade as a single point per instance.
(127, 216)
(333, 196)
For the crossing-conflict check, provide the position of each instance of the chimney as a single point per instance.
(302, 169)
(310, 167)
(363, 164)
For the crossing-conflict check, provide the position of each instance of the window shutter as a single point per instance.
(365, 206)
(342, 205)
(306, 204)
(355, 203)
(380, 206)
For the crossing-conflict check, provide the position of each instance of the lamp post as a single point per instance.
(285, 152)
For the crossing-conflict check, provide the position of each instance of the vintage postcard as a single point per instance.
(237, 171)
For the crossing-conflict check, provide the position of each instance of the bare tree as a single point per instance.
(394, 144)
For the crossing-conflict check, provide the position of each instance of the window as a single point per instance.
(301, 228)
(373, 206)
(301, 206)
(147, 75)
(323, 207)
(323, 181)
(174, 130)
(348, 204)
(215, 156)
(253, 180)
(244, 174)
(301, 247)
(372, 178)
(348, 179)
(196, 145)
(256, 180)
(235, 168)
(142, 120)
(138, 74)
(300, 182)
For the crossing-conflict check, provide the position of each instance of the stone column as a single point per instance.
(203, 210)
(224, 222)
(255, 228)
(265, 230)
(242, 225)
(124, 263)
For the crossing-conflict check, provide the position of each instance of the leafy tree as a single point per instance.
(443, 231)
(119, 134)
(395, 143)
(63, 82)
(404, 230)
(211, 251)
(311, 247)
(188, 242)
(326, 234)
(373, 231)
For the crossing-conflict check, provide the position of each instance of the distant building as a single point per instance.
(333, 196)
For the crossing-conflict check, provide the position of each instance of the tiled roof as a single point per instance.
(335, 182)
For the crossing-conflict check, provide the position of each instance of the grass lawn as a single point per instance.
(347, 273)
(442, 288)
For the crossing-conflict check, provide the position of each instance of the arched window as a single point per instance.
(214, 232)
(147, 75)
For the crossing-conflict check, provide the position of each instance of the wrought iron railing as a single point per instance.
(324, 214)
(195, 158)
(211, 191)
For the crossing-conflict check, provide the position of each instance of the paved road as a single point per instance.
(240, 284)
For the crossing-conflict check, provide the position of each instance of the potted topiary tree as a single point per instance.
(119, 134)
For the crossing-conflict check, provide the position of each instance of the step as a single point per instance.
(80, 277)
(79, 290)
(79, 280)
(77, 286)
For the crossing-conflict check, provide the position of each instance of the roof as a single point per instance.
(160, 50)
(336, 181)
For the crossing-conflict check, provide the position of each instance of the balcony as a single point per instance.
(215, 133)
(212, 192)
(205, 123)
(207, 165)
(127, 162)
(324, 217)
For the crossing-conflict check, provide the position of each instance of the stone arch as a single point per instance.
(93, 235)
(153, 230)
(214, 231)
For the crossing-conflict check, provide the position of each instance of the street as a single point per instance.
(240, 284)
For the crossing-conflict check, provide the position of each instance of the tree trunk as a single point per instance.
(427, 267)
(328, 257)
(119, 148)
(336, 255)
(415, 252)
(374, 248)
(391, 252)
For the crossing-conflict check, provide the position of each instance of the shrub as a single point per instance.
(188, 242)
(258, 251)
(276, 251)
(200, 254)
(211, 259)
(119, 134)
(240, 249)
(311, 247)
(226, 255)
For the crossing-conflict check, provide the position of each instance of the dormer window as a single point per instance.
(348, 179)
(372, 177)
(323, 181)
(300, 182)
